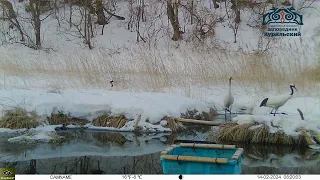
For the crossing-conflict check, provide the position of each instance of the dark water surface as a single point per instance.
(90, 152)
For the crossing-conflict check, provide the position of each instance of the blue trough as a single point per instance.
(192, 158)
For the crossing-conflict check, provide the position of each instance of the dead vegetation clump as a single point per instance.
(177, 126)
(58, 140)
(78, 121)
(59, 117)
(264, 151)
(195, 114)
(171, 138)
(174, 125)
(244, 133)
(110, 121)
(18, 118)
(110, 137)
(237, 133)
(137, 129)
(311, 73)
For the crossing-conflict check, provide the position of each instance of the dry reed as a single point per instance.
(18, 118)
(59, 117)
(137, 128)
(195, 114)
(110, 121)
(261, 135)
(174, 125)
(171, 138)
(167, 64)
(110, 137)
(155, 71)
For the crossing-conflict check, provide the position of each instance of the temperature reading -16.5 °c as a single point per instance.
(131, 176)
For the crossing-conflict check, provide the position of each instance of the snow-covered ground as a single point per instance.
(139, 67)
(291, 123)
(155, 106)
(68, 76)
(89, 105)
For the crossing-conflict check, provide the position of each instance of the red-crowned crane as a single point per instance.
(228, 100)
(276, 102)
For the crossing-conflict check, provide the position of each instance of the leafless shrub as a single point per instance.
(203, 25)
(28, 26)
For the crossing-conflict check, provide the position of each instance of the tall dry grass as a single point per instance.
(145, 67)
(271, 64)
(141, 69)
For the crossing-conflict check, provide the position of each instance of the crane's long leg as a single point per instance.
(225, 114)
(275, 112)
(271, 111)
(230, 113)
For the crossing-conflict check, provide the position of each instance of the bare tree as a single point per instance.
(235, 25)
(83, 26)
(139, 17)
(190, 4)
(173, 15)
(136, 15)
(86, 21)
(205, 22)
(153, 31)
(100, 14)
(100, 9)
(215, 4)
(235, 7)
(56, 11)
(35, 10)
(142, 10)
(10, 14)
(70, 12)
(131, 14)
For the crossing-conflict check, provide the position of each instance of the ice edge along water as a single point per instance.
(153, 106)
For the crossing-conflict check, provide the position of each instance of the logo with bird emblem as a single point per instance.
(282, 22)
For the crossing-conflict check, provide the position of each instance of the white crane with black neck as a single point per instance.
(276, 102)
(228, 100)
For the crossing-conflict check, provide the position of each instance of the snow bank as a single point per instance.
(90, 104)
(290, 124)
(129, 127)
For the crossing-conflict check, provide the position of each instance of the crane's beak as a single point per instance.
(295, 88)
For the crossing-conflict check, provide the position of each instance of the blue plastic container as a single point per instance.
(190, 158)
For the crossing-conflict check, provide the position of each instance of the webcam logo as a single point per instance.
(7, 173)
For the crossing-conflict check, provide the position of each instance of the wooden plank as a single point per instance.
(168, 149)
(195, 159)
(237, 154)
(163, 152)
(213, 146)
(199, 122)
(193, 141)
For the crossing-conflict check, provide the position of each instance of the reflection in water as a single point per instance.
(111, 137)
(144, 164)
(88, 152)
